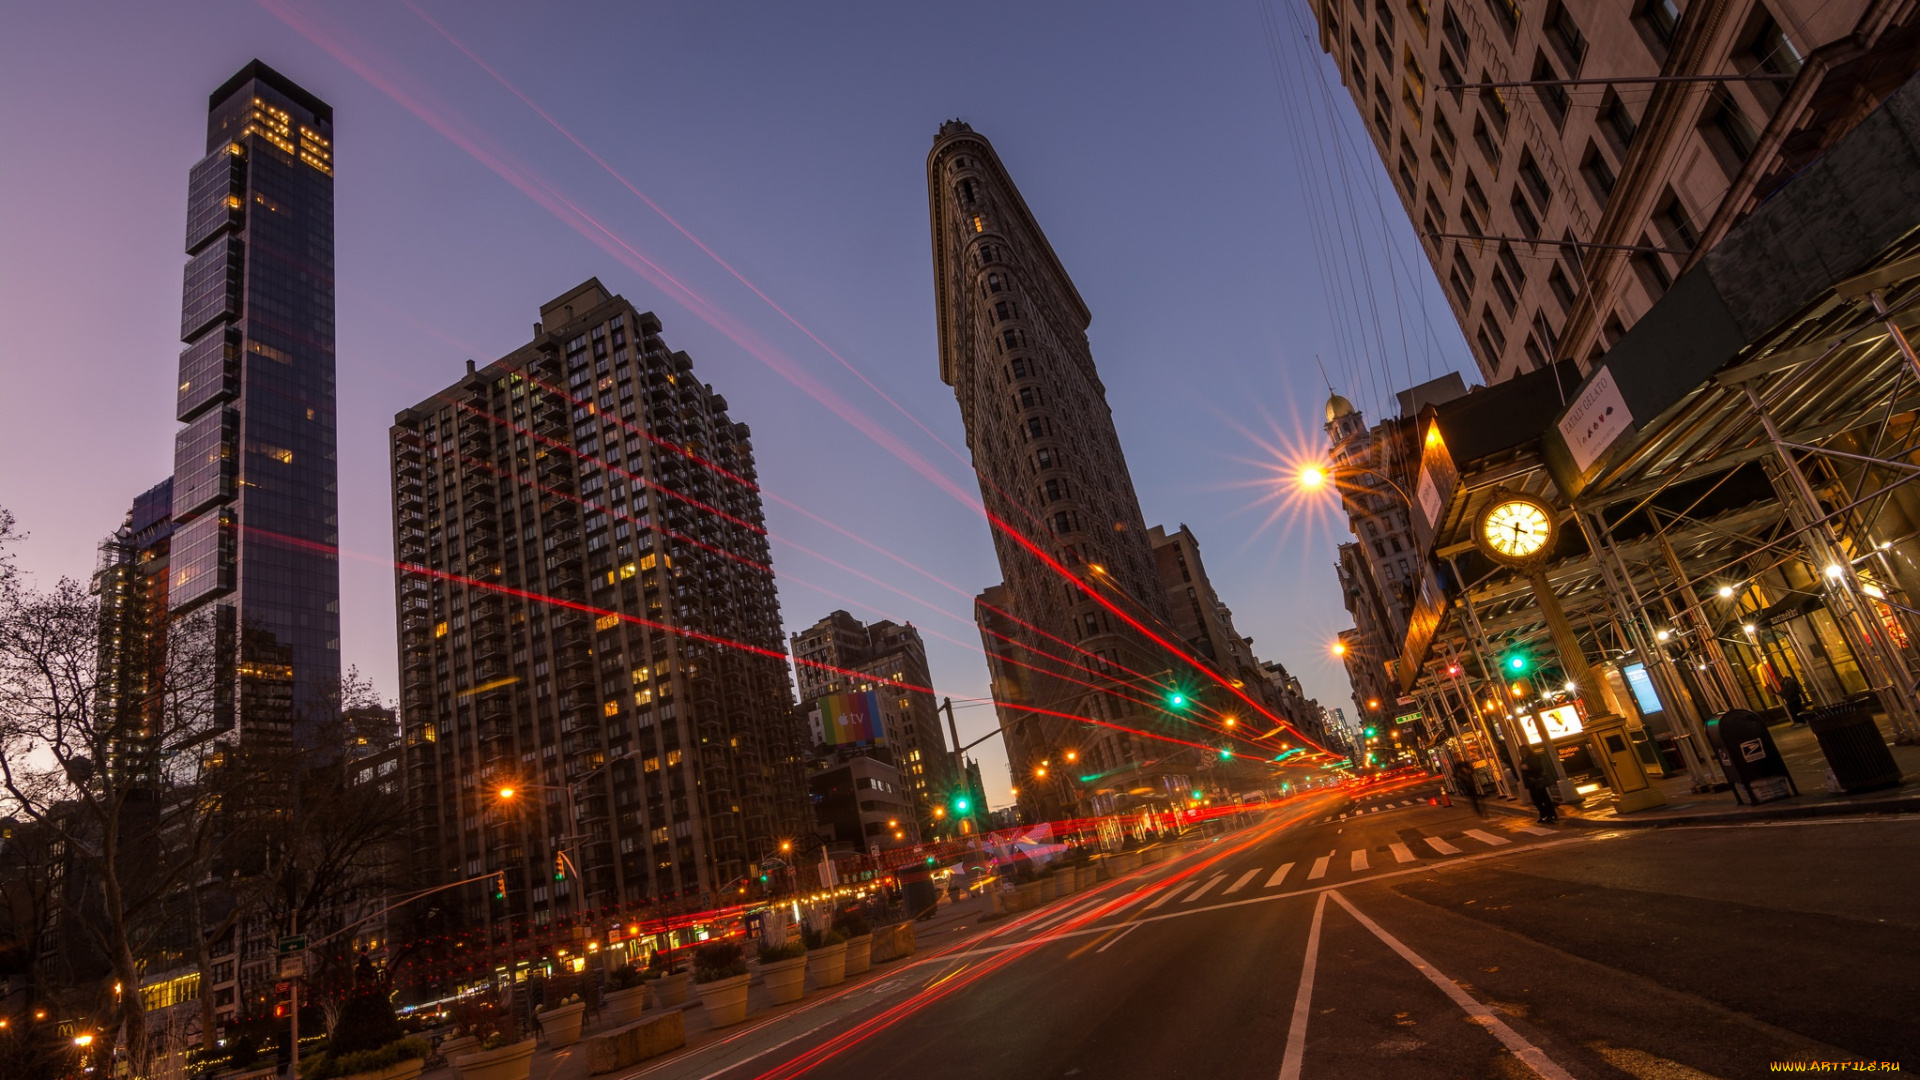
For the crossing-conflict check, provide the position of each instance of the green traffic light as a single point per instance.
(1517, 662)
(1371, 732)
(960, 805)
(1197, 795)
(1176, 699)
(1225, 753)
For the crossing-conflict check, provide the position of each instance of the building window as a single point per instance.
(1562, 290)
(1507, 14)
(1503, 290)
(1524, 216)
(1598, 174)
(1653, 272)
(1731, 136)
(1672, 221)
(1662, 18)
(1535, 180)
(1489, 146)
(1456, 34)
(1450, 75)
(1553, 98)
(1567, 39)
(1618, 123)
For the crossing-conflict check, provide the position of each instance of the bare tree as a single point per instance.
(117, 787)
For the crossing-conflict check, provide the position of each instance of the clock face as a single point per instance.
(1517, 528)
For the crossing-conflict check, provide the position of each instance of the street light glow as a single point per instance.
(1726, 592)
(1312, 477)
(506, 793)
(1834, 571)
(1339, 648)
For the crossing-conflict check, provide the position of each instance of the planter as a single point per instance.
(786, 979)
(561, 1026)
(725, 1000)
(459, 1044)
(859, 954)
(828, 964)
(511, 1062)
(671, 990)
(625, 1006)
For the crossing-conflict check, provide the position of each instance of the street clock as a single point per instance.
(1517, 530)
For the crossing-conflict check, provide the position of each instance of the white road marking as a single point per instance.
(1204, 889)
(1400, 852)
(1528, 1053)
(1442, 846)
(1319, 868)
(1167, 894)
(1130, 929)
(1488, 838)
(1359, 859)
(1242, 883)
(1533, 829)
(1303, 1000)
(1279, 876)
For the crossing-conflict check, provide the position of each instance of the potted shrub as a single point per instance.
(400, 1060)
(561, 1023)
(859, 935)
(784, 969)
(502, 1053)
(721, 976)
(626, 995)
(826, 957)
(669, 986)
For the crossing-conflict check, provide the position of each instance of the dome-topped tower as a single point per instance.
(1338, 407)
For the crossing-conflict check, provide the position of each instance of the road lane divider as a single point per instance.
(1242, 883)
(1279, 876)
(1530, 1055)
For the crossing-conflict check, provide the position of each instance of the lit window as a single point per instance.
(979, 223)
(440, 630)
(612, 708)
(606, 622)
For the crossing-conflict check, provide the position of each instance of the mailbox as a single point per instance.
(1752, 764)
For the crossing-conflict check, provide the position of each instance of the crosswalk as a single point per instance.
(1363, 811)
(1356, 861)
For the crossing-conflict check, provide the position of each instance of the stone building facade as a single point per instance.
(1648, 175)
(1013, 345)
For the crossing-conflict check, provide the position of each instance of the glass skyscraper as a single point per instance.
(255, 485)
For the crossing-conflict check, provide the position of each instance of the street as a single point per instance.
(1389, 937)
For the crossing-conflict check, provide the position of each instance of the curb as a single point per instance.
(1903, 804)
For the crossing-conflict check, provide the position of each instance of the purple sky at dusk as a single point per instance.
(1149, 139)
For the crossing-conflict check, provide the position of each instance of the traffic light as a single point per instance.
(559, 866)
(1177, 699)
(960, 804)
(1371, 732)
(1515, 662)
(500, 886)
(1225, 753)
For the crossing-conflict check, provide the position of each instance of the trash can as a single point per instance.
(1856, 752)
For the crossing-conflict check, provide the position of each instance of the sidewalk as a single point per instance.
(1805, 763)
(948, 921)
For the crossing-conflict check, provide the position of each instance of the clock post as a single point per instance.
(1518, 531)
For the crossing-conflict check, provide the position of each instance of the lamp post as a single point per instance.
(569, 840)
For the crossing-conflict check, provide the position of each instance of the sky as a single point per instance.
(1196, 166)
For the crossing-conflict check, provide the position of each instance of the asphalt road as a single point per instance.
(1392, 938)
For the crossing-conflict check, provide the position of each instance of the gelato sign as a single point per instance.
(1594, 420)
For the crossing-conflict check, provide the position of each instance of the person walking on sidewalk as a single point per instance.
(1535, 780)
(1794, 698)
(1468, 785)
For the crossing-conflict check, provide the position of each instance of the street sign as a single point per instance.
(297, 943)
(293, 965)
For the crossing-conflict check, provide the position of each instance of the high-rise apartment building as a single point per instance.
(1570, 209)
(893, 658)
(587, 615)
(1013, 346)
(255, 492)
(131, 582)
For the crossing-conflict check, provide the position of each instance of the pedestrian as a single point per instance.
(1794, 698)
(1535, 780)
(1468, 785)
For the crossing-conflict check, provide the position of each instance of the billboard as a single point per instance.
(852, 719)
